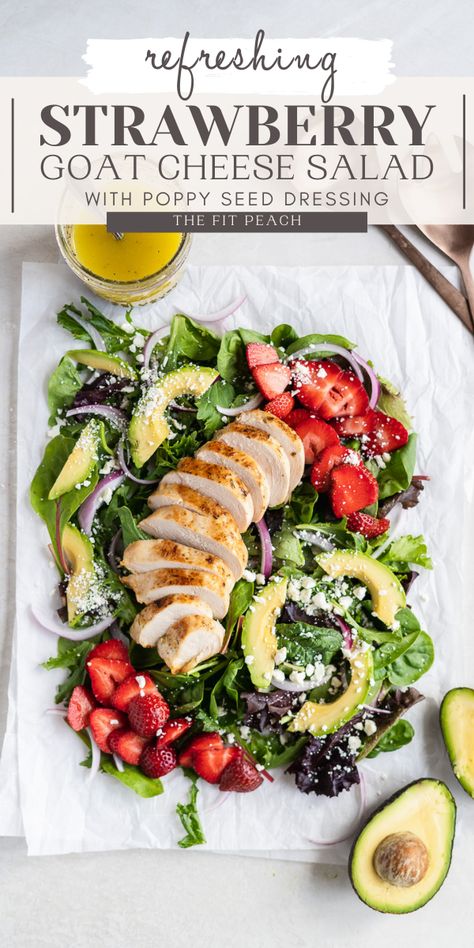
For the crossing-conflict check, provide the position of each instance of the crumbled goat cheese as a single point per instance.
(370, 727)
(248, 575)
(280, 656)
(354, 743)
(278, 675)
(249, 659)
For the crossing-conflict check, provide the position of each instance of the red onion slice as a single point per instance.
(127, 471)
(92, 331)
(114, 415)
(177, 407)
(252, 403)
(220, 314)
(47, 621)
(118, 763)
(112, 551)
(322, 542)
(328, 347)
(321, 843)
(95, 762)
(374, 382)
(266, 563)
(347, 635)
(294, 686)
(56, 711)
(89, 508)
(151, 343)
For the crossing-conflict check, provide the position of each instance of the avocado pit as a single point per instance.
(401, 859)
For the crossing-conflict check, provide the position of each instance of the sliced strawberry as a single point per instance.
(314, 380)
(210, 764)
(388, 434)
(240, 776)
(206, 741)
(102, 722)
(147, 714)
(352, 487)
(316, 435)
(328, 459)
(81, 703)
(281, 406)
(347, 397)
(367, 525)
(352, 427)
(110, 649)
(134, 685)
(271, 379)
(172, 730)
(260, 353)
(105, 674)
(158, 761)
(127, 744)
(297, 416)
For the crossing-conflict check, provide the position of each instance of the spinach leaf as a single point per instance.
(397, 736)
(72, 657)
(314, 338)
(305, 643)
(302, 503)
(287, 547)
(268, 749)
(54, 459)
(240, 599)
(63, 384)
(190, 341)
(414, 663)
(404, 551)
(133, 778)
(231, 361)
(398, 473)
(391, 402)
(189, 816)
(283, 336)
(116, 339)
(390, 651)
(220, 393)
(226, 683)
(130, 531)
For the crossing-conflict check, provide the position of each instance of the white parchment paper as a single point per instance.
(399, 323)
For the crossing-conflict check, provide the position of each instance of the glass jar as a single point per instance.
(145, 290)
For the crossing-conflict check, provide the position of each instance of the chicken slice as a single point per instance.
(149, 587)
(219, 537)
(190, 641)
(242, 464)
(154, 620)
(145, 555)
(170, 493)
(288, 439)
(266, 451)
(218, 483)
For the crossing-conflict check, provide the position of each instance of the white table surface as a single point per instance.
(167, 898)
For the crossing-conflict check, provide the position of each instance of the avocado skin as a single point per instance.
(443, 723)
(378, 810)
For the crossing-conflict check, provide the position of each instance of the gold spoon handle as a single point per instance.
(449, 293)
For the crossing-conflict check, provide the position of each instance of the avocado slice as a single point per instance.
(259, 641)
(95, 359)
(79, 554)
(81, 461)
(148, 427)
(457, 726)
(321, 719)
(402, 855)
(385, 589)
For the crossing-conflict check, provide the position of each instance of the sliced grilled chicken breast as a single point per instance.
(170, 493)
(145, 555)
(154, 620)
(242, 464)
(266, 451)
(288, 439)
(220, 537)
(149, 587)
(190, 641)
(218, 483)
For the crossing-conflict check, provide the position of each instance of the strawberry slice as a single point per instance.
(347, 397)
(352, 487)
(208, 741)
(210, 764)
(172, 730)
(105, 674)
(81, 703)
(352, 427)
(158, 761)
(111, 649)
(314, 380)
(281, 406)
(260, 353)
(332, 456)
(102, 722)
(134, 685)
(316, 435)
(148, 713)
(367, 525)
(127, 744)
(271, 379)
(388, 434)
(240, 776)
(297, 416)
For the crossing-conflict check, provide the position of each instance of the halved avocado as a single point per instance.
(148, 427)
(457, 726)
(385, 589)
(95, 359)
(79, 553)
(321, 719)
(81, 461)
(259, 641)
(402, 855)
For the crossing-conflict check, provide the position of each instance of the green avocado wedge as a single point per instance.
(402, 854)
(457, 727)
(259, 641)
(384, 588)
(321, 719)
(79, 554)
(81, 461)
(103, 362)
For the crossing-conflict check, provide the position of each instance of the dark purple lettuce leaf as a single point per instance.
(99, 391)
(265, 710)
(327, 766)
(397, 702)
(408, 580)
(407, 498)
(274, 520)
(293, 613)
